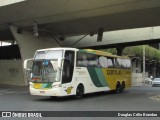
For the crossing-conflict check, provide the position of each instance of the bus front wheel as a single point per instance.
(53, 97)
(80, 91)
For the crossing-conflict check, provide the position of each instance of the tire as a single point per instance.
(118, 87)
(80, 91)
(53, 97)
(123, 86)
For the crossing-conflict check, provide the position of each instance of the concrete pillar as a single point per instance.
(119, 50)
(28, 44)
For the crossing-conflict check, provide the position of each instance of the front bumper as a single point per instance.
(156, 84)
(45, 92)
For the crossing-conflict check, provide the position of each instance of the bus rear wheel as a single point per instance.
(80, 91)
(118, 87)
(123, 86)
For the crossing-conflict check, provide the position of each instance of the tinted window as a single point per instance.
(87, 59)
(128, 63)
(82, 59)
(117, 62)
(92, 60)
(157, 79)
(122, 63)
(103, 62)
(68, 66)
(110, 62)
(49, 54)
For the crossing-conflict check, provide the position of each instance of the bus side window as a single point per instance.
(103, 62)
(110, 62)
(82, 59)
(123, 63)
(92, 60)
(118, 62)
(68, 67)
(127, 63)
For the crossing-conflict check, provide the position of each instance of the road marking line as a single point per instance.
(141, 93)
(157, 97)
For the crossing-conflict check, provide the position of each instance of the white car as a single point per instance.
(148, 80)
(156, 82)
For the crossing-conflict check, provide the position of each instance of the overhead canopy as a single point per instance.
(73, 17)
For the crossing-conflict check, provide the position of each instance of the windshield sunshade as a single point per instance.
(49, 54)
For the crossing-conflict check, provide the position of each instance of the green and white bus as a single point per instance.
(71, 71)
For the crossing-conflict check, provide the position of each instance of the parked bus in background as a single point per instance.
(71, 71)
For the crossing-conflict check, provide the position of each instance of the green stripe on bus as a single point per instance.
(101, 77)
(94, 77)
(49, 85)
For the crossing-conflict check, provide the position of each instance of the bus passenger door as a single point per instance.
(67, 73)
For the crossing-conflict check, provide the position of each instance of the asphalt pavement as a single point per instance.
(142, 98)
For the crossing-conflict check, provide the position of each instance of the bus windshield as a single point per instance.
(45, 66)
(48, 54)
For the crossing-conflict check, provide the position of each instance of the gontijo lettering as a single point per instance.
(114, 72)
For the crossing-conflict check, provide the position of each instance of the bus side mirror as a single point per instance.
(26, 64)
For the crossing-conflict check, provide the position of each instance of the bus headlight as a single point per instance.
(31, 84)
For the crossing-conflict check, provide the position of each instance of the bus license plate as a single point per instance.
(43, 92)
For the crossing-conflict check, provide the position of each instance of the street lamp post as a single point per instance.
(143, 64)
